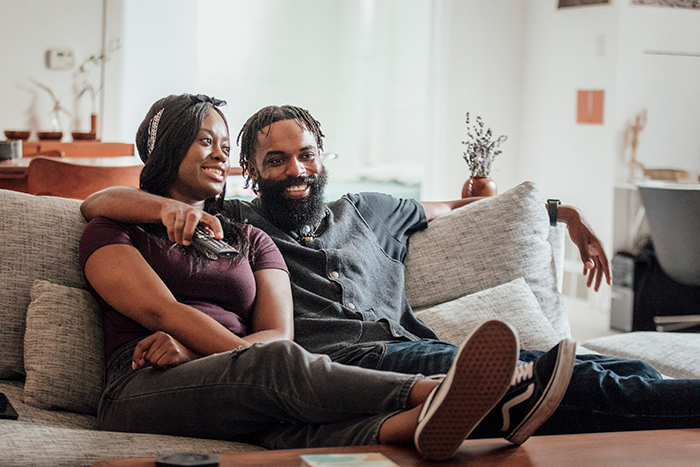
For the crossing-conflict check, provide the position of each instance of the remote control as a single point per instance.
(212, 247)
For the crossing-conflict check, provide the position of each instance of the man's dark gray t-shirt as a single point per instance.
(348, 281)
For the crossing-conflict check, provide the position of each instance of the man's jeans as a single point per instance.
(605, 393)
(277, 395)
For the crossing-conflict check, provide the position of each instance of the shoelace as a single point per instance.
(522, 372)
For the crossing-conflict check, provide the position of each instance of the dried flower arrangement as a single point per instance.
(482, 148)
(85, 84)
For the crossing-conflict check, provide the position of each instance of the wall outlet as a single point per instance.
(60, 59)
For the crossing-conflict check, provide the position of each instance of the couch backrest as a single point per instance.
(486, 244)
(40, 238)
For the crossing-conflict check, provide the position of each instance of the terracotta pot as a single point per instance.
(479, 186)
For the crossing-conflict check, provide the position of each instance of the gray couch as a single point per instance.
(493, 259)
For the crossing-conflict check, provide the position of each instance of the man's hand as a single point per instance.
(181, 219)
(595, 262)
(160, 350)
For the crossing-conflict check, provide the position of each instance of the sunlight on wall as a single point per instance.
(361, 68)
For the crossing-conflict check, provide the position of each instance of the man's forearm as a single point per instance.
(567, 214)
(434, 209)
(125, 204)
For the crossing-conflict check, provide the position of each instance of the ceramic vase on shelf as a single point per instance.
(479, 185)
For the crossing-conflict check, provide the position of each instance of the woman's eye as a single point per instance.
(227, 149)
(206, 140)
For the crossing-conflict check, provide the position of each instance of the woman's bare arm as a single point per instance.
(123, 278)
(273, 316)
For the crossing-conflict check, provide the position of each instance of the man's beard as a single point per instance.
(292, 215)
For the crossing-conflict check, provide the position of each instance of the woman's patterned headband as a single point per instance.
(153, 130)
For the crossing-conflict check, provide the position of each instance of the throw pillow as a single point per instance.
(40, 238)
(482, 245)
(63, 349)
(513, 303)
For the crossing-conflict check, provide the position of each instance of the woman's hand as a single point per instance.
(160, 350)
(595, 262)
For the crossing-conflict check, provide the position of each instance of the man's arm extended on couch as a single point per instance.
(132, 205)
(595, 261)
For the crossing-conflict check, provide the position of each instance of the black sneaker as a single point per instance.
(535, 392)
(478, 379)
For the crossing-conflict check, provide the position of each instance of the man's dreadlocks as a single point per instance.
(248, 136)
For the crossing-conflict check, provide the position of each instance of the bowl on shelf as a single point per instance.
(13, 134)
(52, 135)
(83, 136)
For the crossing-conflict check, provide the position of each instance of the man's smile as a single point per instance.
(297, 191)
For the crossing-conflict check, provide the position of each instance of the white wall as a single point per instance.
(666, 85)
(603, 47)
(390, 80)
(568, 50)
(158, 58)
(28, 28)
(482, 75)
(360, 67)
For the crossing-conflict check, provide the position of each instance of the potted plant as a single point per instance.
(481, 150)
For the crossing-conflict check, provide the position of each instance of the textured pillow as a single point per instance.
(40, 237)
(513, 303)
(63, 349)
(673, 354)
(485, 244)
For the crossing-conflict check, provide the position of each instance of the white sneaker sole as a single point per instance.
(476, 382)
(553, 394)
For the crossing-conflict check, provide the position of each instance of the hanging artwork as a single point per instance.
(669, 3)
(568, 3)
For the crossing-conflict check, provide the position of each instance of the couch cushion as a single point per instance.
(63, 349)
(673, 354)
(40, 237)
(36, 416)
(513, 303)
(497, 240)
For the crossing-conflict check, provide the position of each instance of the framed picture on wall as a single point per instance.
(568, 3)
(669, 3)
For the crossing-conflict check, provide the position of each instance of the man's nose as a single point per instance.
(295, 168)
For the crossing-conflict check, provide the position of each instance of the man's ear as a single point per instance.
(251, 171)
